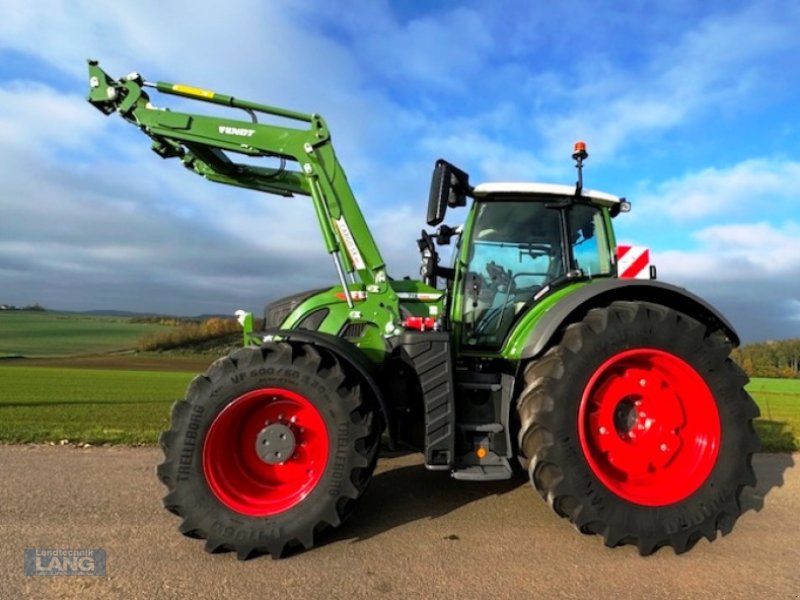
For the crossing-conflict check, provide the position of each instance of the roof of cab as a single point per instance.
(488, 189)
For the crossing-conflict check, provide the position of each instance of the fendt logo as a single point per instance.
(236, 131)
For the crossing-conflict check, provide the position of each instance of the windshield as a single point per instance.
(516, 250)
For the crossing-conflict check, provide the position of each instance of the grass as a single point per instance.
(35, 333)
(112, 405)
(45, 404)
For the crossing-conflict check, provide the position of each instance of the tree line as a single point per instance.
(187, 333)
(770, 359)
(30, 307)
(167, 320)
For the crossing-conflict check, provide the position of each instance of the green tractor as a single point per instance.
(616, 395)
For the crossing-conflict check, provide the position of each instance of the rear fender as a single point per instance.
(573, 306)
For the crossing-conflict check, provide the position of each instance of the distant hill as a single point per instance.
(112, 313)
(50, 333)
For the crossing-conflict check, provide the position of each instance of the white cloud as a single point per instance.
(752, 187)
(36, 118)
(487, 158)
(737, 252)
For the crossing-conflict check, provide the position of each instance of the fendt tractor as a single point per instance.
(616, 395)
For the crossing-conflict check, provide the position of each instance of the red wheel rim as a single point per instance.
(241, 469)
(649, 427)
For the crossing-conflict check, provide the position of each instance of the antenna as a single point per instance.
(579, 155)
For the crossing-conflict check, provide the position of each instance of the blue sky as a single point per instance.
(689, 109)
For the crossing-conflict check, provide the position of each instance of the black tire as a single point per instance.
(303, 371)
(567, 468)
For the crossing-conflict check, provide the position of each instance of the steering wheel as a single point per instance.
(499, 278)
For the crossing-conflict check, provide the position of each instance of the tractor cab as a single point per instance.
(520, 242)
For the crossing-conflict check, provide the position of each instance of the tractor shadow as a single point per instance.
(408, 493)
(776, 435)
(404, 494)
(770, 469)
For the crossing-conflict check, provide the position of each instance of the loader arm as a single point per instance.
(208, 144)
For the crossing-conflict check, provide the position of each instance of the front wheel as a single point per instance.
(271, 446)
(636, 426)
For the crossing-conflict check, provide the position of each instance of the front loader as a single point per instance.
(616, 395)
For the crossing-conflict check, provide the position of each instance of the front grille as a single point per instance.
(354, 330)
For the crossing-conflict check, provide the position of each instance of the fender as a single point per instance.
(349, 354)
(602, 293)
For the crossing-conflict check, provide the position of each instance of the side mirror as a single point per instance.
(449, 187)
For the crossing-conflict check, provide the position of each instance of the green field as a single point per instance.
(36, 333)
(43, 404)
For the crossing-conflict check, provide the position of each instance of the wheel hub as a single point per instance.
(275, 443)
(625, 417)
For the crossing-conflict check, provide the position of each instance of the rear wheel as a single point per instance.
(271, 446)
(636, 426)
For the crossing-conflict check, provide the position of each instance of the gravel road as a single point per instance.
(416, 534)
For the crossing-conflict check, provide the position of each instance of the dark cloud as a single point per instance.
(758, 306)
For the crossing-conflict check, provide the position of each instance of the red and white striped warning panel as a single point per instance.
(633, 262)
